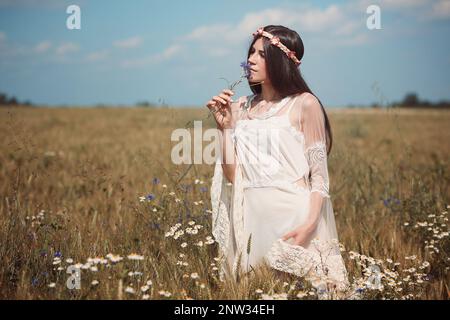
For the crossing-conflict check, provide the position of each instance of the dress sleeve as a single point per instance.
(313, 127)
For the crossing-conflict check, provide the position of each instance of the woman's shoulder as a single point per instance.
(305, 100)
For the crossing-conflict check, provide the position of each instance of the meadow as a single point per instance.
(95, 188)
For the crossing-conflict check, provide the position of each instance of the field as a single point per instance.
(71, 181)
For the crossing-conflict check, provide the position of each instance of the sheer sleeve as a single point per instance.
(313, 127)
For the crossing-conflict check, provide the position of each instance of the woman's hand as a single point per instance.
(301, 235)
(220, 106)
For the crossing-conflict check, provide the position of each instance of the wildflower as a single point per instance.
(129, 290)
(52, 285)
(194, 275)
(199, 244)
(184, 245)
(114, 258)
(149, 282)
(145, 297)
(150, 196)
(145, 288)
(301, 294)
(191, 223)
(203, 189)
(155, 181)
(246, 66)
(94, 283)
(164, 293)
(135, 256)
(258, 291)
(94, 269)
(69, 260)
(58, 254)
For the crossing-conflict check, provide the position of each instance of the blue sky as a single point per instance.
(176, 51)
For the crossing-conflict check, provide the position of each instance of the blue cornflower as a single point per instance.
(246, 66)
(391, 200)
(155, 181)
(150, 196)
(359, 290)
(58, 254)
(34, 282)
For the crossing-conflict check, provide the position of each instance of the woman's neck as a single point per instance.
(268, 93)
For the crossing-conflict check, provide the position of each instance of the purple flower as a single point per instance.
(150, 196)
(155, 181)
(58, 254)
(34, 282)
(246, 67)
(203, 189)
(390, 201)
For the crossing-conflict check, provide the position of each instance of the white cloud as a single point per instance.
(440, 10)
(97, 56)
(129, 43)
(66, 48)
(152, 59)
(338, 23)
(42, 47)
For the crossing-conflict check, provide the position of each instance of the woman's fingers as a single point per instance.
(220, 100)
(288, 235)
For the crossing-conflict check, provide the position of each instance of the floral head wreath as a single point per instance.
(276, 42)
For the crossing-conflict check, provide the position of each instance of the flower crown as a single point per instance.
(276, 42)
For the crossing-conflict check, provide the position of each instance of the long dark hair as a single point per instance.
(283, 73)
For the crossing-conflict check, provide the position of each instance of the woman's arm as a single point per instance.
(312, 122)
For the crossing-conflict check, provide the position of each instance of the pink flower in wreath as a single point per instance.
(259, 31)
(275, 40)
(291, 54)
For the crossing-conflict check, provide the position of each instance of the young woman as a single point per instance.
(270, 190)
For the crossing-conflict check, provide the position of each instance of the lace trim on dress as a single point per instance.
(316, 155)
(318, 266)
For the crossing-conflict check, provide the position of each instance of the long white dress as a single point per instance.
(281, 177)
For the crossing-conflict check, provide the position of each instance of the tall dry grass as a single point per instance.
(71, 179)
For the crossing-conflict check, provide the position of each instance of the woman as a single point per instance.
(270, 190)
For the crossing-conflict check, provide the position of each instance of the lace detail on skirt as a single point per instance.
(325, 265)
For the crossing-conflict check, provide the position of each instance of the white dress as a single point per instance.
(279, 169)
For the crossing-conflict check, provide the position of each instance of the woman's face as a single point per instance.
(257, 62)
